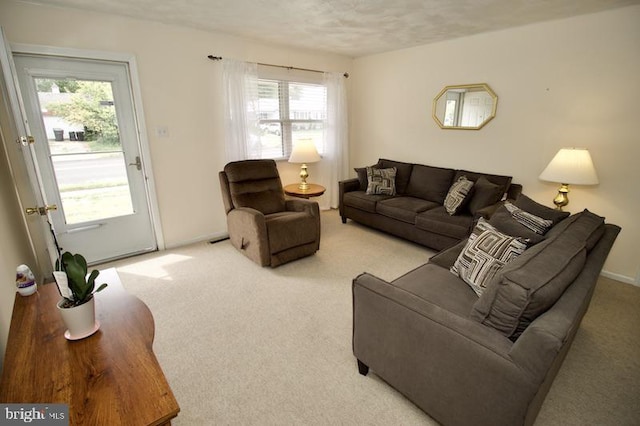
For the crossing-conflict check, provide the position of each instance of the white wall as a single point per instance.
(181, 89)
(570, 82)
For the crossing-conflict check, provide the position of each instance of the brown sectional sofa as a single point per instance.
(416, 212)
(488, 360)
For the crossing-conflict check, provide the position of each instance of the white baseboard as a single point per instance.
(621, 278)
(209, 237)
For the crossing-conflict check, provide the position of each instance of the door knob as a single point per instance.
(42, 211)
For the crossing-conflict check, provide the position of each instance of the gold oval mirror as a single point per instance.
(465, 106)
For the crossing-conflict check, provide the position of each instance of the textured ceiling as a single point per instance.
(349, 27)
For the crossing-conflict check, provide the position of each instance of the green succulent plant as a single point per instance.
(82, 288)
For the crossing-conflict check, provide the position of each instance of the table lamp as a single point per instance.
(304, 151)
(569, 166)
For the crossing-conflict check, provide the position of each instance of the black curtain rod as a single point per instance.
(219, 58)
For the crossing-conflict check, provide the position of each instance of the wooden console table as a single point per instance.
(109, 378)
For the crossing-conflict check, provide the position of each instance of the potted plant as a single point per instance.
(77, 305)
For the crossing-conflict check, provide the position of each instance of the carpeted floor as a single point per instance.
(244, 345)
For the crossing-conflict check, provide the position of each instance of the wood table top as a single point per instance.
(109, 378)
(314, 190)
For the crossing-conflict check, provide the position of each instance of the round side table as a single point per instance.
(314, 190)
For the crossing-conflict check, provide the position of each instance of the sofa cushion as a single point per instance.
(533, 283)
(361, 200)
(486, 252)
(503, 181)
(504, 222)
(447, 257)
(430, 183)
(403, 173)
(279, 226)
(535, 223)
(528, 205)
(458, 195)
(404, 208)
(439, 287)
(485, 194)
(438, 221)
(381, 181)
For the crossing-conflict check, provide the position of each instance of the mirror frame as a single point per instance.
(480, 86)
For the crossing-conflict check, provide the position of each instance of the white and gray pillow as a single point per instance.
(485, 253)
(458, 194)
(537, 224)
(381, 181)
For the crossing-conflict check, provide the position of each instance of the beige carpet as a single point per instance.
(244, 345)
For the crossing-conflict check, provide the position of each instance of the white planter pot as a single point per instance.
(80, 320)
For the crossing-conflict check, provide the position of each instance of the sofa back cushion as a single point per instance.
(430, 183)
(503, 181)
(402, 175)
(255, 184)
(532, 283)
(485, 193)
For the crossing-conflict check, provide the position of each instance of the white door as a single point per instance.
(87, 149)
(27, 179)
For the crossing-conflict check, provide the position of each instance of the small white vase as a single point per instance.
(80, 320)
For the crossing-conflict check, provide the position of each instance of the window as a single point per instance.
(289, 111)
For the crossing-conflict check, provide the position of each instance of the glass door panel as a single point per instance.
(89, 167)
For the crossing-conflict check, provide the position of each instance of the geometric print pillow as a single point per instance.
(457, 195)
(486, 252)
(381, 181)
(531, 221)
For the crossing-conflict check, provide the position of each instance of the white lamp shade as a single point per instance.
(571, 166)
(304, 151)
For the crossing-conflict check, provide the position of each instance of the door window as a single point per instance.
(81, 126)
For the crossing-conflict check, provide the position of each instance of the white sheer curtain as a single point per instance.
(335, 154)
(242, 140)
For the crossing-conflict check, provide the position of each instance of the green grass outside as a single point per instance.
(84, 205)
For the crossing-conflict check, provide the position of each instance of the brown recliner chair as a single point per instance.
(264, 225)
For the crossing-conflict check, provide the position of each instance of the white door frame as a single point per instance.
(138, 112)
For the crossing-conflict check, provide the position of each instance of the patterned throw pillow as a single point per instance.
(381, 181)
(485, 253)
(457, 195)
(531, 221)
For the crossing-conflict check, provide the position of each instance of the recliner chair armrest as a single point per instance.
(248, 232)
(302, 205)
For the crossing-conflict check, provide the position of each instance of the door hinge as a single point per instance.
(25, 140)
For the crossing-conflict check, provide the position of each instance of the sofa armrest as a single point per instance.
(514, 190)
(349, 185)
(248, 232)
(456, 369)
(486, 212)
(345, 186)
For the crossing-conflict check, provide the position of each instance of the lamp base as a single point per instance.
(562, 199)
(304, 186)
